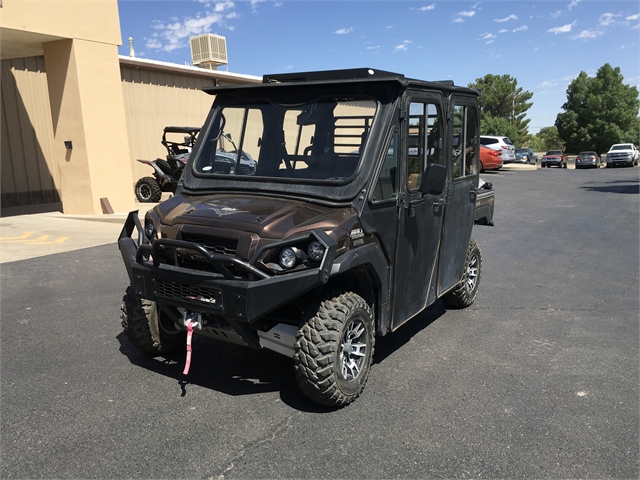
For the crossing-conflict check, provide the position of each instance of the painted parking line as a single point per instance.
(41, 240)
(21, 237)
(55, 242)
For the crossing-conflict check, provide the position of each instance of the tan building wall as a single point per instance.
(29, 172)
(79, 41)
(63, 81)
(158, 95)
(155, 95)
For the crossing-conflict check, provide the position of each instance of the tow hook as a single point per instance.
(190, 320)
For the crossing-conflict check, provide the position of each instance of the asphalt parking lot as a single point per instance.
(538, 379)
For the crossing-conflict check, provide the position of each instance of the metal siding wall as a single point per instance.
(29, 171)
(154, 100)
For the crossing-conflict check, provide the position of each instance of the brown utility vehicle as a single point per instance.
(355, 216)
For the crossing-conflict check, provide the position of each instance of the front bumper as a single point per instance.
(552, 161)
(620, 160)
(240, 301)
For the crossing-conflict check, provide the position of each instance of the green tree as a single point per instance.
(599, 112)
(534, 142)
(503, 107)
(550, 138)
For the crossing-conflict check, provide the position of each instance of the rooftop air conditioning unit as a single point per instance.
(209, 51)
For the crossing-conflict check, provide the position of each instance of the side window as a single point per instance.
(471, 148)
(458, 141)
(387, 186)
(463, 143)
(424, 140)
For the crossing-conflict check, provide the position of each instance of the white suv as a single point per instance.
(500, 143)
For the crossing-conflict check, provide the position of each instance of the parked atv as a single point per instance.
(167, 173)
(355, 216)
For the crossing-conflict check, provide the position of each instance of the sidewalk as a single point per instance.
(37, 235)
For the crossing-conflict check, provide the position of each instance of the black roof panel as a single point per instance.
(327, 75)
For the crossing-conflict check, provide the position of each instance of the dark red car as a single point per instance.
(554, 157)
(490, 159)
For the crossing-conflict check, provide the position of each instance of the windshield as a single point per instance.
(522, 150)
(312, 141)
(621, 147)
(554, 152)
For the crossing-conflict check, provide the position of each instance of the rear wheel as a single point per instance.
(147, 328)
(147, 190)
(333, 350)
(465, 292)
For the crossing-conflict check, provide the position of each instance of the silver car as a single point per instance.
(500, 143)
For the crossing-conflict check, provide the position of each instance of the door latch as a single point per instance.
(438, 206)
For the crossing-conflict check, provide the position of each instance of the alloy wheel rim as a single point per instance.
(144, 191)
(353, 350)
(472, 273)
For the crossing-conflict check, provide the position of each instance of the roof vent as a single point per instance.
(208, 51)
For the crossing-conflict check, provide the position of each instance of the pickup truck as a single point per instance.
(527, 155)
(622, 154)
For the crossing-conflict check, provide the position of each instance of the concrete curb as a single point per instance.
(519, 166)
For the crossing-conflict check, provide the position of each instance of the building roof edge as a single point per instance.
(187, 69)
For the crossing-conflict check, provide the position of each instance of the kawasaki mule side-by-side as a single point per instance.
(354, 215)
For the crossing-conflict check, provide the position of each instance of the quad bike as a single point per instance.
(167, 173)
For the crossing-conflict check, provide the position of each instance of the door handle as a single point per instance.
(438, 205)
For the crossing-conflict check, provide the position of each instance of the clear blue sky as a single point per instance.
(543, 44)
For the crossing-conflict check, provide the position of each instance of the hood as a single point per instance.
(268, 217)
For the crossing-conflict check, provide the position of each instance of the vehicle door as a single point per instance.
(462, 141)
(419, 216)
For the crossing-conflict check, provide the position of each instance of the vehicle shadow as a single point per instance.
(229, 369)
(235, 370)
(389, 344)
(630, 186)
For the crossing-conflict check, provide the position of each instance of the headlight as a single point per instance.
(315, 251)
(288, 257)
(149, 229)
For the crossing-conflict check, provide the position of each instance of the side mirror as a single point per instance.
(434, 179)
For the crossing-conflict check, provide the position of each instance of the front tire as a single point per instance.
(148, 329)
(334, 350)
(466, 291)
(147, 190)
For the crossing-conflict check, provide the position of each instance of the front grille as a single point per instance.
(217, 245)
(193, 293)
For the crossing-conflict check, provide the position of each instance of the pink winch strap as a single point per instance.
(189, 335)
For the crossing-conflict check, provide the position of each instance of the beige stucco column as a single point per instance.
(87, 107)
